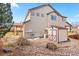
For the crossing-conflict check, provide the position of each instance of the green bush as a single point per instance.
(3, 31)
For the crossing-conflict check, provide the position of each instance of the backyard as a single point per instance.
(13, 44)
(37, 47)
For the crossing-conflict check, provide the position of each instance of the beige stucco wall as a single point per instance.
(38, 24)
(26, 26)
(58, 22)
(62, 35)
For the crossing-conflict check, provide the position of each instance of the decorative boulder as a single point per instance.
(51, 46)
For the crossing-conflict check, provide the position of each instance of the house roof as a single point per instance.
(49, 12)
(44, 6)
(57, 13)
(68, 23)
(38, 7)
(17, 24)
(26, 21)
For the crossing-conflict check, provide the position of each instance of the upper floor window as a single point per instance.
(42, 15)
(38, 14)
(33, 13)
(64, 19)
(53, 17)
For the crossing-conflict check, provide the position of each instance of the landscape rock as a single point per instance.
(51, 46)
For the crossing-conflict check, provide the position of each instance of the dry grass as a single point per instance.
(23, 42)
(66, 48)
(39, 42)
(38, 47)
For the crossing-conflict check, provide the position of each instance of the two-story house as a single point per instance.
(45, 19)
(17, 28)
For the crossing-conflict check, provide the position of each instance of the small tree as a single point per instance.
(5, 13)
(5, 16)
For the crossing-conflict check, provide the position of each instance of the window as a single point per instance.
(53, 17)
(42, 15)
(38, 14)
(63, 19)
(33, 13)
(28, 30)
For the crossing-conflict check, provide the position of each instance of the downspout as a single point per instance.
(24, 29)
(47, 22)
(58, 35)
(47, 26)
(67, 34)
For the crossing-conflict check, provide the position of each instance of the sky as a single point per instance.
(71, 10)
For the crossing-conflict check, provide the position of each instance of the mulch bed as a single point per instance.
(76, 36)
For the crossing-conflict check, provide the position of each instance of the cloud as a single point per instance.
(14, 5)
(77, 15)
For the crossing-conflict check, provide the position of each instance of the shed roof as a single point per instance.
(58, 27)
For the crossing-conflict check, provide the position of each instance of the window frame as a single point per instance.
(42, 15)
(33, 14)
(38, 14)
(53, 17)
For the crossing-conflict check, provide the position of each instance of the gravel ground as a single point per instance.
(66, 49)
(41, 51)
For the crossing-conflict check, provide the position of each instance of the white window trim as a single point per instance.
(28, 30)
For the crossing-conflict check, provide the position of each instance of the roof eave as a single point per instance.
(26, 21)
(68, 23)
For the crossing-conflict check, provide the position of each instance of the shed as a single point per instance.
(57, 34)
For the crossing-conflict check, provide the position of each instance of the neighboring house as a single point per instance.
(75, 29)
(17, 28)
(45, 19)
(69, 26)
(78, 29)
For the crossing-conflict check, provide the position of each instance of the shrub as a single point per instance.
(11, 45)
(51, 46)
(22, 42)
(3, 31)
(68, 39)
